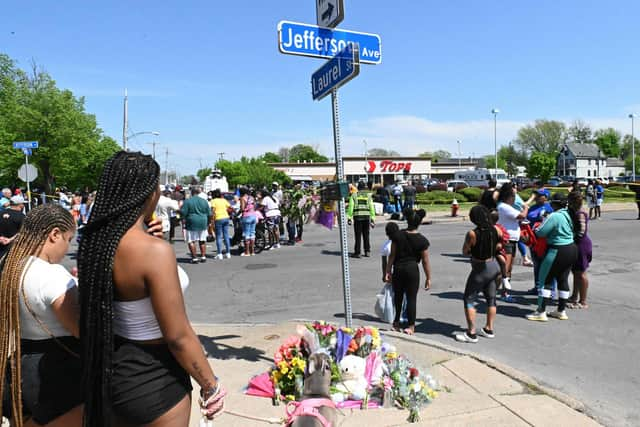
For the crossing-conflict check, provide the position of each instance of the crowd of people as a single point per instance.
(553, 228)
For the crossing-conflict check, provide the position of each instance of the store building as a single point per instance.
(373, 170)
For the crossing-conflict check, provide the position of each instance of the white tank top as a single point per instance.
(135, 320)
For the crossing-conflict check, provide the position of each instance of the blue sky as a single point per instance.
(208, 75)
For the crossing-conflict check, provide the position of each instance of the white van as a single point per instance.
(480, 177)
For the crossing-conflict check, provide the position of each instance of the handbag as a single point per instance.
(384, 308)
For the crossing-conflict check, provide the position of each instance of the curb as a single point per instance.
(498, 366)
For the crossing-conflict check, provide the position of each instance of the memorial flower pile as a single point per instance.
(366, 371)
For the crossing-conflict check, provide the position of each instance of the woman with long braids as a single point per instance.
(408, 248)
(138, 347)
(39, 324)
(481, 243)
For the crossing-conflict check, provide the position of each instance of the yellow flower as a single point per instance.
(347, 330)
(276, 376)
(290, 397)
(375, 334)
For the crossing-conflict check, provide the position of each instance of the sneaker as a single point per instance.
(355, 256)
(533, 291)
(195, 260)
(276, 246)
(245, 254)
(484, 332)
(219, 256)
(506, 283)
(227, 255)
(507, 298)
(537, 316)
(465, 337)
(367, 254)
(203, 259)
(560, 315)
(527, 262)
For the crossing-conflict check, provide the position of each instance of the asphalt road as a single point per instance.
(593, 356)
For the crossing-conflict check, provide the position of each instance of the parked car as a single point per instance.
(522, 182)
(432, 184)
(554, 181)
(456, 185)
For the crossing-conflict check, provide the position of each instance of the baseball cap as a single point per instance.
(17, 200)
(543, 192)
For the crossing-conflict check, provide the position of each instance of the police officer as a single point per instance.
(363, 215)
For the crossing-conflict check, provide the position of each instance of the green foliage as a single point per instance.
(472, 194)
(542, 165)
(544, 136)
(512, 158)
(72, 149)
(436, 155)
(381, 152)
(251, 171)
(439, 198)
(490, 162)
(580, 132)
(271, 157)
(202, 174)
(609, 141)
(625, 150)
(302, 152)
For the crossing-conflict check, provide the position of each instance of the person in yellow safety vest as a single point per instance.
(363, 215)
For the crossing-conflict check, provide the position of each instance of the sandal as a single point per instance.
(396, 328)
(582, 305)
(408, 331)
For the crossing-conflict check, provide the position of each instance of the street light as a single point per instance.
(495, 112)
(633, 148)
(133, 135)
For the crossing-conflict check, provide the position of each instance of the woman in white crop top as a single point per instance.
(39, 323)
(137, 342)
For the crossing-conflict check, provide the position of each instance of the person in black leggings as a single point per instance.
(408, 248)
(482, 244)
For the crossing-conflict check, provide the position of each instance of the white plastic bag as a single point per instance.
(384, 304)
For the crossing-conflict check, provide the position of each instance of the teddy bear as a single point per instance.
(353, 384)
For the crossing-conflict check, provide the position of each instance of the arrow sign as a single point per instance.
(310, 40)
(19, 145)
(329, 12)
(336, 72)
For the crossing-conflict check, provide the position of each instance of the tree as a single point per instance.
(202, 174)
(609, 141)
(284, 154)
(251, 171)
(580, 132)
(625, 150)
(511, 158)
(490, 162)
(302, 152)
(542, 165)
(544, 136)
(271, 157)
(437, 155)
(381, 152)
(72, 149)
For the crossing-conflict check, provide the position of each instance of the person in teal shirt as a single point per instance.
(561, 254)
(197, 214)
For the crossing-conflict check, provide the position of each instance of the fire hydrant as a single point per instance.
(454, 207)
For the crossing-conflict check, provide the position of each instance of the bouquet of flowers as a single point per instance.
(288, 373)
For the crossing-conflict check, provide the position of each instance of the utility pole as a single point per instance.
(154, 143)
(166, 165)
(125, 123)
(221, 155)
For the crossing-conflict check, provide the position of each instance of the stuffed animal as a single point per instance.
(353, 384)
(315, 409)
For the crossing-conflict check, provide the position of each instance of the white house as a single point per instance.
(582, 161)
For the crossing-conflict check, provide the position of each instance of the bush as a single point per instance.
(439, 198)
(472, 194)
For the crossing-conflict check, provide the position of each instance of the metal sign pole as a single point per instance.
(344, 244)
(26, 159)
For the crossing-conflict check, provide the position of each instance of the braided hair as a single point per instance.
(126, 185)
(486, 234)
(29, 242)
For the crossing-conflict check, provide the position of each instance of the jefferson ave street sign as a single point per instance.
(336, 72)
(318, 42)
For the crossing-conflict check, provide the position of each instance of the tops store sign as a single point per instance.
(387, 166)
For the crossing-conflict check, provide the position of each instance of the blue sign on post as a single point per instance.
(25, 144)
(320, 42)
(27, 151)
(336, 72)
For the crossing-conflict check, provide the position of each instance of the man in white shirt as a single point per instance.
(164, 209)
(272, 213)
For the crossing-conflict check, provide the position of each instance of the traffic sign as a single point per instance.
(27, 151)
(311, 40)
(329, 12)
(27, 172)
(336, 72)
(25, 144)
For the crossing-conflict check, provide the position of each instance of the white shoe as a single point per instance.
(560, 315)
(276, 246)
(227, 255)
(537, 316)
(219, 256)
(464, 337)
(506, 283)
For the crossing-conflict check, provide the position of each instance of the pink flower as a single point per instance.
(387, 383)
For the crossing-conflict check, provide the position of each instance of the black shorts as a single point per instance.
(147, 381)
(50, 378)
(510, 247)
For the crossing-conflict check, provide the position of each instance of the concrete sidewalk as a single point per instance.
(478, 391)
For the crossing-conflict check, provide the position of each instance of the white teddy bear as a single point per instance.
(353, 384)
